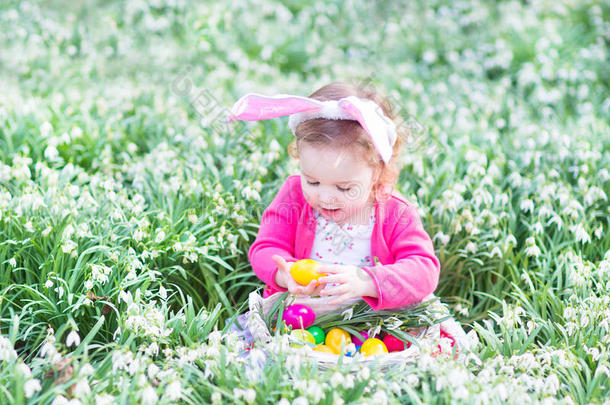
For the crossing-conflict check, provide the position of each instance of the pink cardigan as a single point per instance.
(407, 271)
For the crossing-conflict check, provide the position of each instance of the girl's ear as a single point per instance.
(383, 192)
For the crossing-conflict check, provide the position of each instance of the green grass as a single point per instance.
(127, 208)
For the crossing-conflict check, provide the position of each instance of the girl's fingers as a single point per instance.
(340, 300)
(331, 279)
(334, 269)
(338, 290)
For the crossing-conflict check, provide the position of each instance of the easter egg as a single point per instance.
(299, 316)
(318, 333)
(393, 344)
(335, 337)
(303, 336)
(373, 347)
(324, 349)
(305, 270)
(356, 339)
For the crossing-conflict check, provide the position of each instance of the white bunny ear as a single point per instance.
(255, 107)
(380, 128)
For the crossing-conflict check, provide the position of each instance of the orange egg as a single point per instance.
(303, 271)
(324, 349)
(373, 347)
(337, 337)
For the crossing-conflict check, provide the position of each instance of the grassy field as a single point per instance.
(127, 207)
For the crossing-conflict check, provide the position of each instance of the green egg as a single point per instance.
(318, 334)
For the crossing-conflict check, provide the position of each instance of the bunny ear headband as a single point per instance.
(255, 107)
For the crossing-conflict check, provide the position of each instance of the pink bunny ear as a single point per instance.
(370, 116)
(254, 107)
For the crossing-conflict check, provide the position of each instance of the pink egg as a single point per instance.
(356, 339)
(299, 316)
(394, 344)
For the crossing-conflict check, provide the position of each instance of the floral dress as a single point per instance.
(345, 244)
(342, 244)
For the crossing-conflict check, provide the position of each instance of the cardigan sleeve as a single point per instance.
(276, 234)
(415, 272)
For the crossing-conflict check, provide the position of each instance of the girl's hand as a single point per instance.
(283, 278)
(353, 282)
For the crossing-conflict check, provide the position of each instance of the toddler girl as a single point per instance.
(341, 210)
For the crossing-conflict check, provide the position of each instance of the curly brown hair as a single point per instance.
(350, 135)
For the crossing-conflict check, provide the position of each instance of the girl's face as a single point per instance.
(337, 183)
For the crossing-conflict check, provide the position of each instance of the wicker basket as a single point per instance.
(261, 333)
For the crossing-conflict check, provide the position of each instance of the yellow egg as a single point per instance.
(303, 271)
(302, 335)
(335, 337)
(373, 347)
(324, 349)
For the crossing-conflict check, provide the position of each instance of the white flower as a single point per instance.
(380, 397)
(45, 129)
(532, 249)
(24, 370)
(48, 284)
(174, 390)
(496, 252)
(580, 233)
(249, 395)
(527, 205)
(72, 339)
(160, 235)
(60, 400)
(444, 238)
(149, 396)
(104, 399)
(412, 379)
(300, 401)
(30, 387)
(336, 379)
(216, 398)
(82, 388)
(12, 262)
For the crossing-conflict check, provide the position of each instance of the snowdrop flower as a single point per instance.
(12, 262)
(380, 398)
(532, 250)
(61, 400)
(174, 390)
(73, 339)
(104, 399)
(527, 205)
(579, 232)
(300, 401)
(82, 388)
(160, 235)
(249, 395)
(442, 237)
(30, 387)
(216, 398)
(149, 396)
